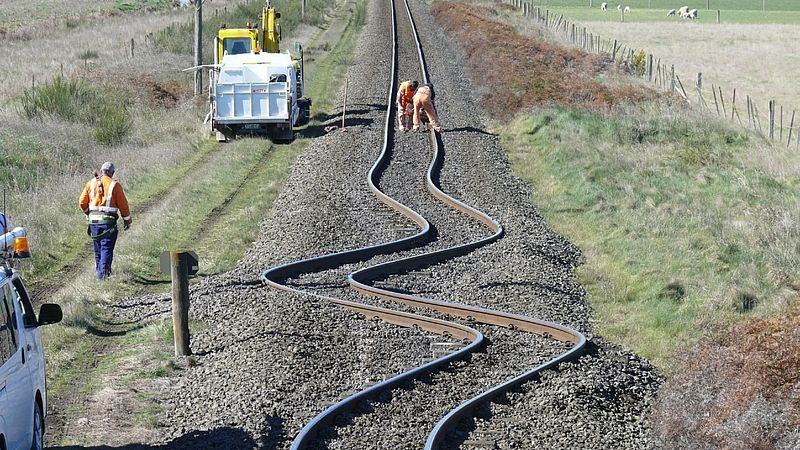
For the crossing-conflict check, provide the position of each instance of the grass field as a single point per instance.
(724, 53)
(584, 13)
(753, 5)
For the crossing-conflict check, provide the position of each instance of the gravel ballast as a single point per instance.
(269, 361)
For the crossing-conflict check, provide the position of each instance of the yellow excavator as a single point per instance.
(254, 88)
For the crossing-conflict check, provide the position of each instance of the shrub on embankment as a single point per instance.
(76, 100)
(689, 226)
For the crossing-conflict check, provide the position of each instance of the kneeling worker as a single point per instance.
(405, 103)
(423, 103)
(103, 201)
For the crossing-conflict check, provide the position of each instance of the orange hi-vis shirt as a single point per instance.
(405, 94)
(105, 195)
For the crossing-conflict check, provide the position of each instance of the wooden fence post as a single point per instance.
(780, 134)
(650, 67)
(717, 16)
(672, 81)
(700, 80)
(772, 119)
(722, 101)
(733, 103)
(791, 128)
(132, 48)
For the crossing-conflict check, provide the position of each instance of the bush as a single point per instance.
(639, 62)
(60, 97)
(75, 101)
(113, 126)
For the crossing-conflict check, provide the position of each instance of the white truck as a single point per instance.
(254, 88)
(256, 93)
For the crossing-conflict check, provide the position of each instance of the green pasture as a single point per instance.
(725, 5)
(731, 11)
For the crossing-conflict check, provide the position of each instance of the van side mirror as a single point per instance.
(50, 313)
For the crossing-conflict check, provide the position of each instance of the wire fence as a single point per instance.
(779, 124)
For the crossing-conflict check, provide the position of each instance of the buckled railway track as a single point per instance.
(360, 280)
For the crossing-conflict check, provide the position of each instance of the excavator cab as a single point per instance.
(236, 41)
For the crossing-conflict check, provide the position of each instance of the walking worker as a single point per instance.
(103, 201)
(405, 103)
(423, 103)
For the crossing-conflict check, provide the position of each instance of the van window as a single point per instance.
(24, 302)
(9, 301)
(8, 345)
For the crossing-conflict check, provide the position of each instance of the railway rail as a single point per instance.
(361, 280)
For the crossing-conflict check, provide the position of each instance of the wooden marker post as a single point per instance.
(180, 303)
(180, 265)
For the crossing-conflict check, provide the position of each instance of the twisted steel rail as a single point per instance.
(276, 277)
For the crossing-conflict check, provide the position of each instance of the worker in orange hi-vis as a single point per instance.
(423, 103)
(103, 201)
(405, 103)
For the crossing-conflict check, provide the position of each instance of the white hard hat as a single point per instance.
(108, 166)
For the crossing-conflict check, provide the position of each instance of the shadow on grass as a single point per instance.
(227, 438)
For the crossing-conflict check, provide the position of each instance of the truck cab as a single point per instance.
(23, 394)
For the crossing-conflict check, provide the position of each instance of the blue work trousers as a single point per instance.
(103, 247)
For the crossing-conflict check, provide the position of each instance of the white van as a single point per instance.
(23, 398)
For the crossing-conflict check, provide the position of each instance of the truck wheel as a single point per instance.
(38, 428)
(304, 104)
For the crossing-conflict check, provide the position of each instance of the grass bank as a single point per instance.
(681, 227)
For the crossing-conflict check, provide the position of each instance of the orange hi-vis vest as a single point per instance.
(105, 195)
(405, 95)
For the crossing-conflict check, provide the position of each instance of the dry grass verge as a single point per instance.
(524, 72)
(740, 389)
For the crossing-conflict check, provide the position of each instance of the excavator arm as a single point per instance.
(271, 34)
